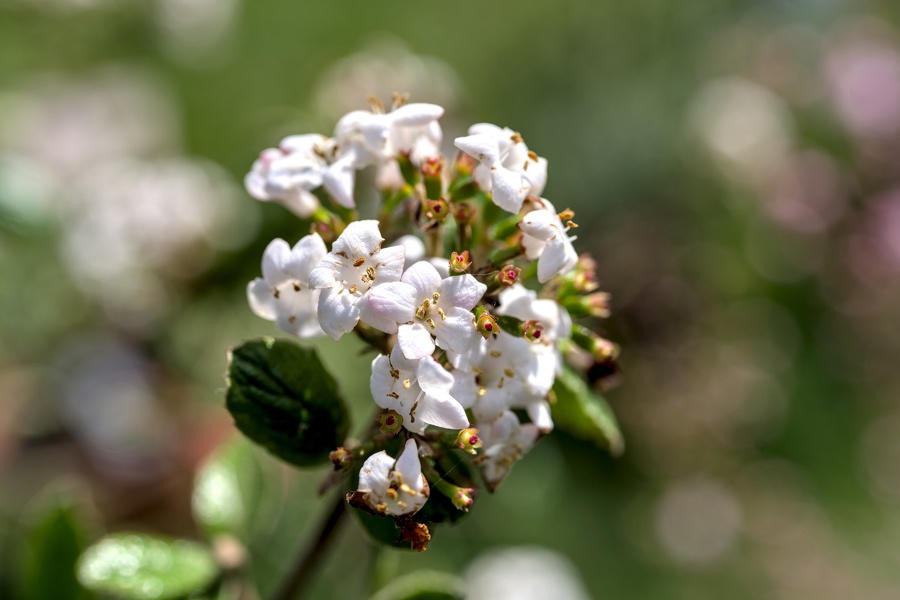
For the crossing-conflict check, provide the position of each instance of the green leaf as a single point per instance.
(282, 398)
(235, 492)
(135, 566)
(55, 541)
(583, 413)
(423, 585)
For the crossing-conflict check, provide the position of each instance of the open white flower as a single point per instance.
(373, 138)
(418, 390)
(356, 263)
(283, 294)
(300, 164)
(507, 168)
(502, 373)
(394, 487)
(545, 237)
(506, 440)
(427, 305)
(520, 302)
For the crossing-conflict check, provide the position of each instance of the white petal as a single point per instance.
(361, 239)
(408, 465)
(414, 341)
(381, 382)
(415, 248)
(508, 189)
(557, 258)
(261, 299)
(533, 247)
(536, 176)
(305, 256)
(338, 312)
(432, 377)
(417, 113)
(338, 180)
(374, 476)
(464, 389)
(539, 413)
(322, 276)
(390, 264)
(424, 278)
(372, 319)
(457, 332)
(393, 300)
(541, 224)
(463, 291)
(297, 311)
(276, 255)
(300, 202)
(480, 147)
(441, 410)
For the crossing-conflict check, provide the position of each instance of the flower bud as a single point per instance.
(469, 441)
(463, 498)
(437, 209)
(464, 212)
(390, 422)
(597, 304)
(407, 169)
(586, 274)
(532, 330)
(460, 263)
(509, 275)
(485, 323)
(465, 164)
(341, 458)
(604, 350)
(432, 168)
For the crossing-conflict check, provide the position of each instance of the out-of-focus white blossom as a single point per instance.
(372, 137)
(394, 487)
(356, 263)
(283, 293)
(507, 168)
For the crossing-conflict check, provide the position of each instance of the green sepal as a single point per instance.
(583, 413)
(282, 398)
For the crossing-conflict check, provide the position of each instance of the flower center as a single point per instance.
(429, 308)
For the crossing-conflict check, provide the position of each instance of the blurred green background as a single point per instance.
(735, 170)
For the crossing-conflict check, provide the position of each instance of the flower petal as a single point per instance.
(457, 332)
(338, 180)
(432, 377)
(393, 300)
(408, 465)
(373, 319)
(417, 113)
(557, 258)
(261, 298)
(338, 312)
(480, 147)
(381, 382)
(441, 410)
(361, 239)
(507, 189)
(305, 255)
(322, 275)
(540, 224)
(539, 413)
(424, 278)
(390, 263)
(463, 291)
(415, 341)
(276, 255)
(374, 476)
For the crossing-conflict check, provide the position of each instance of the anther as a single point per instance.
(359, 261)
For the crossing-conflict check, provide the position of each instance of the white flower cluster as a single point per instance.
(464, 343)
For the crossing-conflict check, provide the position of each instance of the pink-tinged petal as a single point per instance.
(540, 224)
(275, 257)
(338, 312)
(417, 113)
(441, 410)
(432, 377)
(424, 278)
(390, 264)
(507, 189)
(373, 319)
(301, 143)
(408, 465)
(305, 256)
(539, 413)
(361, 239)
(394, 300)
(480, 147)
(261, 298)
(415, 341)
(457, 332)
(463, 291)
(374, 476)
(557, 258)
(322, 276)
(255, 182)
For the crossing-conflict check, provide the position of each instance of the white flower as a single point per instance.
(508, 169)
(502, 373)
(505, 441)
(299, 165)
(373, 138)
(418, 390)
(545, 237)
(356, 263)
(415, 249)
(394, 487)
(427, 305)
(283, 293)
(519, 302)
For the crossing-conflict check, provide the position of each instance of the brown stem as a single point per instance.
(298, 579)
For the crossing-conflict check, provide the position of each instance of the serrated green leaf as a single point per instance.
(423, 585)
(282, 398)
(54, 542)
(583, 413)
(235, 492)
(135, 566)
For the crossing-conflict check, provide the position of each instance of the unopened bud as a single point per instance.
(469, 440)
(598, 304)
(509, 275)
(465, 164)
(604, 350)
(432, 167)
(586, 274)
(463, 498)
(533, 330)
(459, 262)
(390, 422)
(437, 209)
(464, 212)
(485, 323)
(341, 458)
